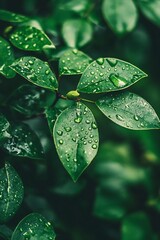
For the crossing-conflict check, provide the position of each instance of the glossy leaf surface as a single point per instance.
(73, 62)
(31, 100)
(76, 138)
(22, 141)
(12, 17)
(4, 127)
(121, 15)
(129, 110)
(11, 192)
(6, 59)
(109, 74)
(34, 226)
(77, 32)
(30, 39)
(36, 71)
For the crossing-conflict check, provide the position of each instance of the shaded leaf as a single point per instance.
(22, 141)
(136, 227)
(77, 32)
(31, 100)
(34, 226)
(36, 71)
(74, 5)
(30, 39)
(11, 192)
(6, 59)
(73, 62)
(12, 17)
(151, 10)
(4, 127)
(109, 74)
(76, 138)
(121, 15)
(129, 110)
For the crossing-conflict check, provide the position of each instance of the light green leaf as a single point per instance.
(34, 226)
(11, 192)
(151, 10)
(73, 62)
(4, 127)
(31, 100)
(121, 15)
(77, 32)
(23, 142)
(30, 39)
(36, 71)
(6, 59)
(136, 227)
(76, 138)
(109, 74)
(12, 17)
(129, 110)
(76, 6)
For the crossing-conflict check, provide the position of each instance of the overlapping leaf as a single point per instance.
(129, 110)
(4, 127)
(12, 17)
(107, 75)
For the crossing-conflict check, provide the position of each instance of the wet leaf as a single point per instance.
(36, 71)
(23, 142)
(6, 59)
(31, 100)
(34, 226)
(77, 32)
(121, 15)
(129, 110)
(12, 17)
(30, 39)
(11, 192)
(151, 10)
(73, 62)
(4, 127)
(76, 138)
(109, 74)
(136, 226)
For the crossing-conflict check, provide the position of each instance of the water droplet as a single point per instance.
(47, 72)
(68, 129)
(112, 62)
(61, 141)
(100, 61)
(93, 125)
(87, 121)
(118, 81)
(94, 146)
(30, 62)
(136, 117)
(75, 51)
(60, 133)
(119, 117)
(78, 120)
(92, 73)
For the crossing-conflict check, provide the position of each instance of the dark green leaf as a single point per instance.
(36, 71)
(4, 127)
(34, 226)
(31, 100)
(22, 141)
(74, 5)
(73, 62)
(30, 39)
(151, 10)
(129, 110)
(76, 138)
(6, 59)
(11, 192)
(136, 227)
(12, 17)
(109, 74)
(5, 232)
(121, 15)
(77, 32)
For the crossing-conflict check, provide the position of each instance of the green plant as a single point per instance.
(100, 83)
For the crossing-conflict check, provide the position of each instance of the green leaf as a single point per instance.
(121, 15)
(109, 74)
(30, 39)
(76, 138)
(11, 192)
(23, 142)
(136, 227)
(129, 110)
(53, 112)
(6, 59)
(4, 127)
(76, 6)
(151, 10)
(34, 226)
(12, 17)
(31, 100)
(73, 62)
(77, 32)
(36, 71)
